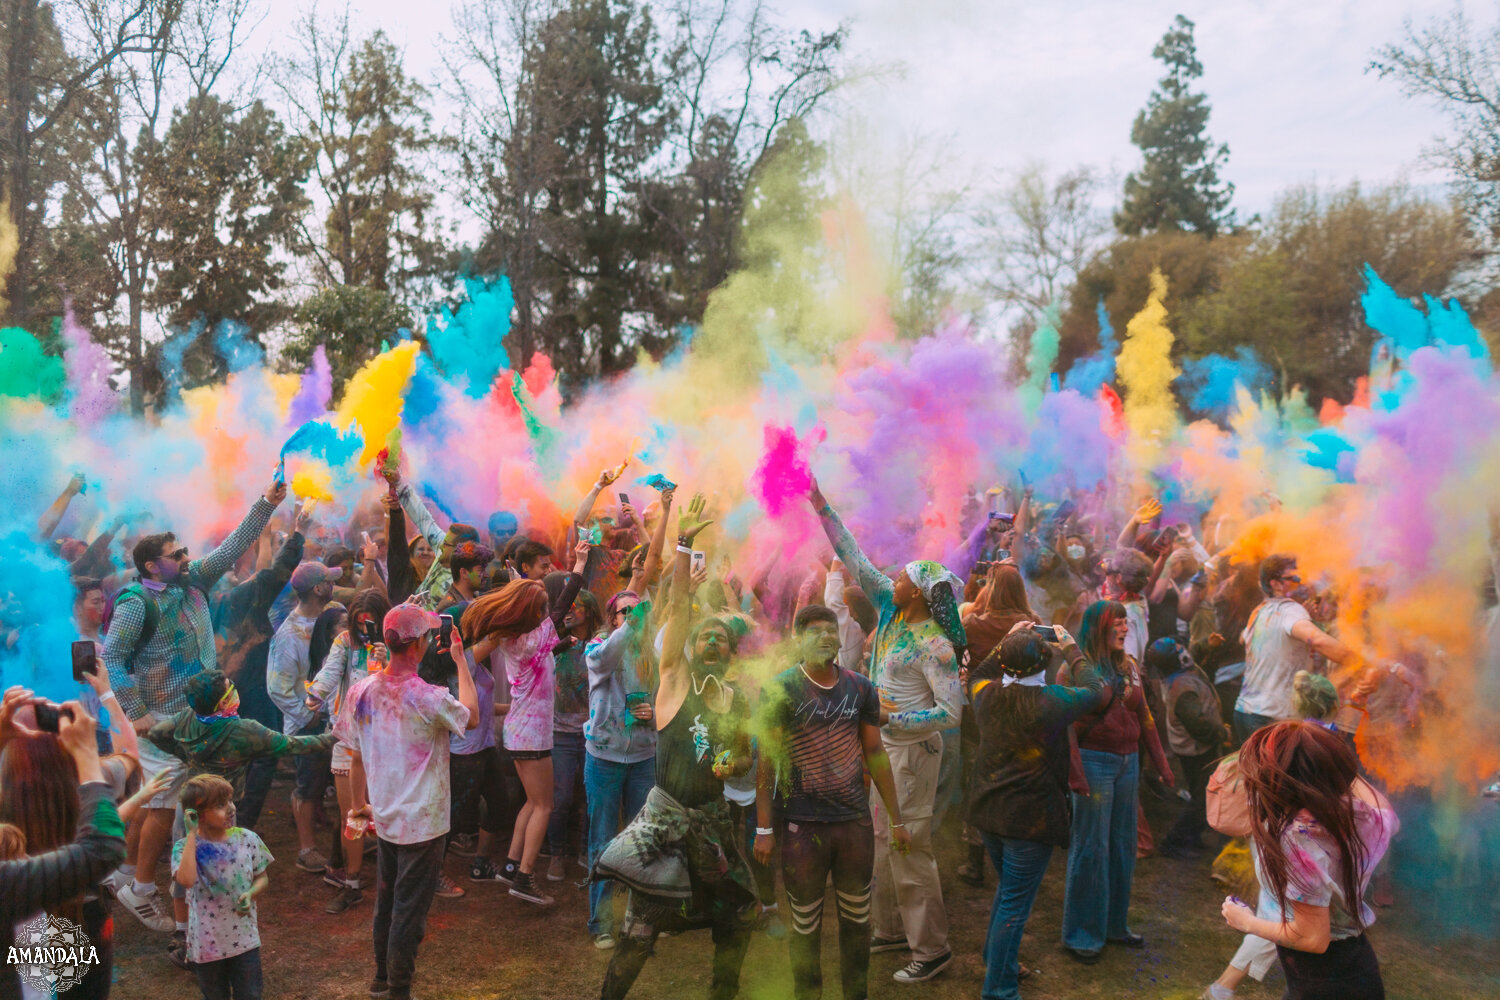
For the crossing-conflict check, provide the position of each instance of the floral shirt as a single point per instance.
(1313, 856)
(226, 868)
(532, 672)
(400, 725)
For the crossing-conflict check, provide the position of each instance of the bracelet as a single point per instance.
(764, 831)
(898, 826)
(684, 542)
(107, 696)
(684, 549)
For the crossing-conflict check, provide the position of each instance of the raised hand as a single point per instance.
(275, 493)
(1148, 511)
(581, 556)
(691, 521)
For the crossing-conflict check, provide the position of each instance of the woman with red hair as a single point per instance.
(1319, 831)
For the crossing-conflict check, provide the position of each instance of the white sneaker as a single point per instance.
(149, 910)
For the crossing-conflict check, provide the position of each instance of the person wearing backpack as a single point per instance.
(159, 634)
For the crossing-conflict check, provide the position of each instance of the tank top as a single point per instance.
(686, 747)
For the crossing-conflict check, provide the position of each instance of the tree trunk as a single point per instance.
(20, 95)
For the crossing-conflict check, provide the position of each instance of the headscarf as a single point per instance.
(940, 587)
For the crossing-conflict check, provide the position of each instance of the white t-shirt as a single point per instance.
(401, 726)
(1138, 632)
(1272, 658)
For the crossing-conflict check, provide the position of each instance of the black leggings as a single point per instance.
(1348, 970)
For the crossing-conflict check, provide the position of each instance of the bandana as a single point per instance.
(939, 587)
(1038, 679)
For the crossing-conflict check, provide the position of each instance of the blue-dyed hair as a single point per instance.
(1093, 634)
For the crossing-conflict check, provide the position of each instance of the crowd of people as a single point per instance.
(464, 694)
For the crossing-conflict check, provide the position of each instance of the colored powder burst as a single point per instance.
(1146, 373)
(90, 396)
(233, 343)
(313, 482)
(323, 441)
(783, 476)
(26, 372)
(469, 345)
(1088, 374)
(373, 398)
(1208, 382)
(1039, 362)
(40, 599)
(1401, 325)
(316, 391)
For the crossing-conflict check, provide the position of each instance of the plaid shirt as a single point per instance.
(151, 680)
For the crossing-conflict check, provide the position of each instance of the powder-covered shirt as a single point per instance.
(570, 705)
(1314, 863)
(482, 736)
(226, 869)
(528, 664)
(612, 732)
(1272, 659)
(911, 664)
(288, 671)
(823, 780)
(400, 726)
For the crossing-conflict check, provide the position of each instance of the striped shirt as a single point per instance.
(151, 680)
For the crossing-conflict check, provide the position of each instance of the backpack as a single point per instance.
(1227, 805)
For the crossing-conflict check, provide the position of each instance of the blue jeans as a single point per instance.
(238, 977)
(567, 762)
(1101, 853)
(1020, 865)
(1246, 723)
(950, 789)
(616, 793)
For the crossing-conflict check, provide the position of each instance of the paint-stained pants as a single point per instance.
(908, 896)
(810, 853)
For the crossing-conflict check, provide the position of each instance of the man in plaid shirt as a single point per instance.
(149, 678)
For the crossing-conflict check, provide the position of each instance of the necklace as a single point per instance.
(822, 687)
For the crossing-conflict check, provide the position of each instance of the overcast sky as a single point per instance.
(1002, 82)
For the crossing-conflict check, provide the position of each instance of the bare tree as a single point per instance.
(1456, 66)
(1040, 233)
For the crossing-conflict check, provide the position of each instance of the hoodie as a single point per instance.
(226, 745)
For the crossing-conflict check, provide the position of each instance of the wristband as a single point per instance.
(684, 549)
(764, 831)
(107, 696)
(898, 826)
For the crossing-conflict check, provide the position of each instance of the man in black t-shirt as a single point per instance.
(823, 723)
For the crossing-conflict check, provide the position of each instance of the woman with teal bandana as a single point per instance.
(914, 662)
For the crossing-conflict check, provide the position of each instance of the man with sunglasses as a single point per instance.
(160, 634)
(1279, 641)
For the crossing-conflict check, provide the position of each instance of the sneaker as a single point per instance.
(604, 942)
(524, 887)
(877, 945)
(311, 861)
(921, 972)
(464, 845)
(177, 950)
(969, 875)
(1213, 991)
(335, 877)
(508, 872)
(448, 889)
(485, 870)
(347, 897)
(379, 989)
(555, 869)
(149, 910)
(1492, 791)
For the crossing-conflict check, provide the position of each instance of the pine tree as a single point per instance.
(1178, 187)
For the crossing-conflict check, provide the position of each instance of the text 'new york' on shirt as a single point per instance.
(821, 775)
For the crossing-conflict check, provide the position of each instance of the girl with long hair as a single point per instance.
(1101, 851)
(570, 713)
(516, 629)
(1319, 831)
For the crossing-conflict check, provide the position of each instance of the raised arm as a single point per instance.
(400, 580)
(1145, 514)
(679, 610)
(876, 586)
(571, 586)
(326, 682)
(206, 571)
(420, 516)
(95, 559)
(53, 515)
(658, 543)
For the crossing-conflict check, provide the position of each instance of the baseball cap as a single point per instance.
(310, 574)
(410, 621)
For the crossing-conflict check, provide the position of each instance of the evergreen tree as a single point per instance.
(1178, 187)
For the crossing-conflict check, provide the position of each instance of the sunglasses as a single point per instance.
(1293, 578)
(179, 555)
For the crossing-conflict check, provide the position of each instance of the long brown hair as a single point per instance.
(1094, 633)
(513, 610)
(39, 795)
(1293, 766)
(1007, 592)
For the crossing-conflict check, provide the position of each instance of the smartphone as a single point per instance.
(445, 631)
(700, 561)
(625, 498)
(996, 515)
(48, 715)
(85, 659)
(1047, 632)
(365, 536)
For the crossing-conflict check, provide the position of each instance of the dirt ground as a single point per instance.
(488, 944)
